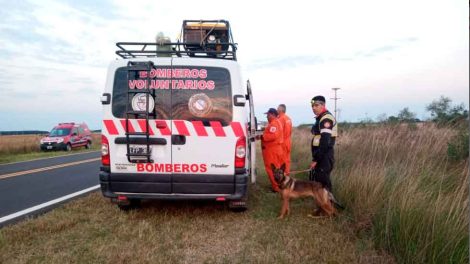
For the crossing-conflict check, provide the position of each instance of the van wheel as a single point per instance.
(88, 145)
(130, 205)
(68, 147)
(238, 205)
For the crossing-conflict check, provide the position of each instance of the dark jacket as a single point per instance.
(324, 137)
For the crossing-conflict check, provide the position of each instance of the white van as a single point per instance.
(176, 120)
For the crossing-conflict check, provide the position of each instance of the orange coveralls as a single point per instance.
(271, 145)
(287, 131)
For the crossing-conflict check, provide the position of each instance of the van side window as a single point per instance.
(80, 129)
(193, 93)
(75, 130)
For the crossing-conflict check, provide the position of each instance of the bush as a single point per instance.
(457, 147)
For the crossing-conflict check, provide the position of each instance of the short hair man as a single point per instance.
(286, 123)
(271, 145)
(324, 137)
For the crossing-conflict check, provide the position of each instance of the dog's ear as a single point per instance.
(273, 167)
(283, 167)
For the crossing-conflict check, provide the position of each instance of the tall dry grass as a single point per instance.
(23, 144)
(399, 185)
(15, 144)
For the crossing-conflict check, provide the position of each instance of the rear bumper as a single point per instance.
(175, 187)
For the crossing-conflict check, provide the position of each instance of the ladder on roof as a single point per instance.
(139, 138)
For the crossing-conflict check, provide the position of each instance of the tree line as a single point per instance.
(442, 112)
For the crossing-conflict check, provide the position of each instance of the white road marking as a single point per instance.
(46, 204)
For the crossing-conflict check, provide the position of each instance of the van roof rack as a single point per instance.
(199, 38)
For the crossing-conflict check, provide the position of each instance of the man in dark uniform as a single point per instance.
(324, 136)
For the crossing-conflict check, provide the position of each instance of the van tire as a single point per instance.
(131, 205)
(88, 145)
(68, 147)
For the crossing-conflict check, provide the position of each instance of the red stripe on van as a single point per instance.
(131, 128)
(200, 129)
(181, 127)
(237, 129)
(163, 127)
(143, 126)
(218, 129)
(109, 124)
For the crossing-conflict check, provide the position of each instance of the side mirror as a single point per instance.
(74, 134)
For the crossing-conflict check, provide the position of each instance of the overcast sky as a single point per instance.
(384, 55)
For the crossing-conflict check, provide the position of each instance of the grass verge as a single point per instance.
(92, 230)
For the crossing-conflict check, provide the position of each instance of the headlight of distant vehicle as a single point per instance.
(60, 140)
(41, 141)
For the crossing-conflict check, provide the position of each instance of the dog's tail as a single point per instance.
(334, 201)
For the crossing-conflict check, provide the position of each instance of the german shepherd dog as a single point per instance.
(292, 188)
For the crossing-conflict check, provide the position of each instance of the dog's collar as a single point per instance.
(288, 181)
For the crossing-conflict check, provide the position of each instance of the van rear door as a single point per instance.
(251, 133)
(204, 135)
(140, 177)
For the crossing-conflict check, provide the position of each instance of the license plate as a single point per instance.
(49, 147)
(138, 150)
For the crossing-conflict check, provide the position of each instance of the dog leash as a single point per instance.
(297, 172)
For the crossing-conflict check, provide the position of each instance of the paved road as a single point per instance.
(46, 162)
(28, 184)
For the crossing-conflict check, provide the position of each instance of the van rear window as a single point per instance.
(190, 93)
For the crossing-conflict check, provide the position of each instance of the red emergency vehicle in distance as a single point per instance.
(66, 136)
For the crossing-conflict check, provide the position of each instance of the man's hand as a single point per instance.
(313, 165)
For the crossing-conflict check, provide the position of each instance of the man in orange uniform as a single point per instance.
(271, 145)
(287, 131)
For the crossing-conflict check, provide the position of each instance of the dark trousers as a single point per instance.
(321, 173)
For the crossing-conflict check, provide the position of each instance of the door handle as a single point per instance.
(178, 139)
